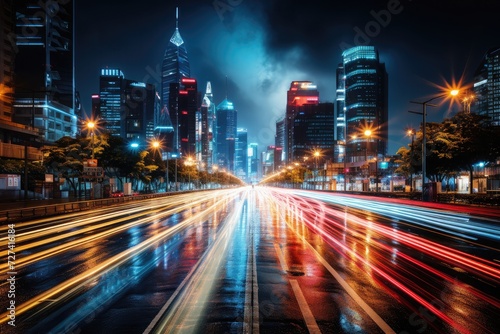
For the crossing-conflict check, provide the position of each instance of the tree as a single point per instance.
(477, 140)
(66, 157)
(456, 144)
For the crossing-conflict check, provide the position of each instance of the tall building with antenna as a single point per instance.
(207, 128)
(175, 66)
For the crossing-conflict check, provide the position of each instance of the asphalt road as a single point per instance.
(255, 260)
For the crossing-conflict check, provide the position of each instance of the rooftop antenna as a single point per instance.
(226, 87)
(176, 17)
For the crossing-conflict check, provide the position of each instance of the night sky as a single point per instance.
(261, 46)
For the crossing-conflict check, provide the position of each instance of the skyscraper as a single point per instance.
(17, 141)
(125, 108)
(111, 82)
(139, 107)
(299, 94)
(175, 66)
(226, 134)
(7, 54)
(187, 117)
(207, 128)
(340, 122)
(241, 153)
(314, 129)
(279, 140)
(44, 68)
(253, 162)
(487, 86)
(366, 103)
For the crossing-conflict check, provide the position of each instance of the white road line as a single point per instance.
(371, 313)
(281, 257)
(311, 323)
(251, 312)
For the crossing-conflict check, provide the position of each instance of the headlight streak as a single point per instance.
(330, 231)
(177, 205)
(447, 222)
(70, 287)
(184, 313)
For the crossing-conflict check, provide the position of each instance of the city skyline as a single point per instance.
(259, 48)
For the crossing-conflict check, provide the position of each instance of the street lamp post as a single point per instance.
(411, 133)
(424, 140)
(167, 187)
(91, 126)
(368, 135)
(316, 156)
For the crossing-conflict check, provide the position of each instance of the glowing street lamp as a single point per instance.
(91, 126)
(411, 132)
(452, 93)
(368, 135)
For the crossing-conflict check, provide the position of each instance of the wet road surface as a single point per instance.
(256, 261)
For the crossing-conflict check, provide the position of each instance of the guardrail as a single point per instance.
(33, 210)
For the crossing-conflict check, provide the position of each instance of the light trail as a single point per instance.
(459, 224)
(132, 217)
(344, 231)
(66, 290)
(186, 312)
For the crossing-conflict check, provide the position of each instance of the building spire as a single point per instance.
(176, 37)
(176, 17)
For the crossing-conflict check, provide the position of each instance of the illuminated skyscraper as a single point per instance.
(207, 128)
(241, 153)
(314, 129)
(110, 111)
(175, 66)
(186, 122)
(340, 123)
(253, 162)
(300, 93)
(366, 102)
(125, 108)
(226, 134)
(44, 96)
(487, 87)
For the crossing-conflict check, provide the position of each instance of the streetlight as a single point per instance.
(157, 146)
(91, 125)
(453, 92)
(189, 163)
(368, 135)
(411, 132)
(353, 137)
(316, 155)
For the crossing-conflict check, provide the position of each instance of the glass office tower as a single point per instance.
(175, 66)
(366, 103)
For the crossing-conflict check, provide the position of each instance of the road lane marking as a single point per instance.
(371, 313)
(251, 312)
(281, 257)
(311, 323)
(187, 309)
